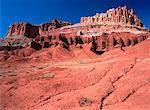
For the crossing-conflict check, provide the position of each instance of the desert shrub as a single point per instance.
(96, 38)
(78, 40)
(8, 48)
(114, 41)
(94, 45)
(64, 45)
(81, 62)
(66, 41)
(55, 44)
(71, 40)
(42, 39)
(84, 101)
(50, 38)
(81, 33)
(48, 75)
(104, 34)
(46, 45)
(36, 46)
(79, 46)
(121, 42)
(135, 41)
(89, 40)
(63, 39)
(128, 42)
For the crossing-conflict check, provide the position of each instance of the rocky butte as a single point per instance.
(115, 23)
(120, 15)
(24, 29)
(32, 31)
(101, 63)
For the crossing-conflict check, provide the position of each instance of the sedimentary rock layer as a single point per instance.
(24, 29)
(114, 16)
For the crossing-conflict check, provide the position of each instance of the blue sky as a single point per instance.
(40, 11)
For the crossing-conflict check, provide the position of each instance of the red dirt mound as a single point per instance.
(53, 53)
(26, 52)
(83, 51)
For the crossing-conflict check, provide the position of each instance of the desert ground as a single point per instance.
(77, 80)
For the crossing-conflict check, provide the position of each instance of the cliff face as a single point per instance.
(32, 31)
(113, 19)
(24, 29)
(55, 69)
(114, 16)
(54, 24)
(121, 21)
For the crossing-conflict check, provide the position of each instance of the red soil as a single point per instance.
(58, 79)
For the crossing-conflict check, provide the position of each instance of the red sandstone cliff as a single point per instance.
(58, 70)
(114, 16)
(31, 31)
(119, 19)
(119, 23)
(24, 29)
(54, 24)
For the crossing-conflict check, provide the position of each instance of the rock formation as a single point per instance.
(116, 80)
(114, 16)
(32, 31)
(120, 18)
(116, 23)
(61, 68)
(54, 24)
(24, 29)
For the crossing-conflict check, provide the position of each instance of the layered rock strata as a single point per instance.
(114, 16)
(28, 30)
(24, 29)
